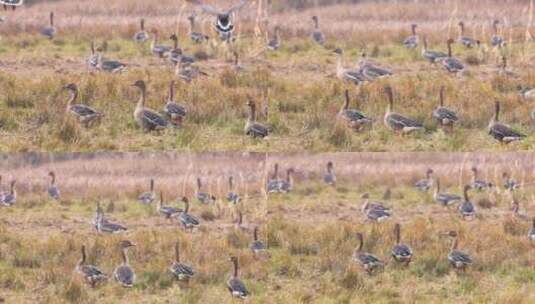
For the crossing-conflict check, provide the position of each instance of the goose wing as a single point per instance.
(125, 275)
(153, 119)
(433, 56)
(237, 288)
(446, 198)
(53, 192)
(423, 185)
(459, 257)
(442, 113)
(182, 271)
(82, 110)
(257, 130)
(91, 272)
(467, 208)
(411, 41)
(188, 220)
(502, 132)
(401, 251)
(453, 64)
(318, 37)
(112, 66)
(398, 121)
(373, 72)
(172, 108)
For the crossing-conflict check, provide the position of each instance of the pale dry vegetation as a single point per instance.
(310, 232)
(304, 96)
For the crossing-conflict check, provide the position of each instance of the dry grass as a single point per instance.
(310, 232)
(304, 97)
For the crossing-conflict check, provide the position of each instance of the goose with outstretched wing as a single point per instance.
(224, 24)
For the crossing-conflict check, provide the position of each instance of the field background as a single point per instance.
(310, 232)
(304, 97)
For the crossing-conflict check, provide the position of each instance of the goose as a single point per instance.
(411, 42)
(252, 127)
(236, 63)
(330, 178)
(466, 41)
(188, 72)
(479, 184)
(445, 117)
(366, 260)
(502, 132)
(426, 183)
(458, 259)
(96, 219)
(371, 71)
(509, 183)
(92, 60)
(275, 42)
(2, 192)
(84, 113)
(142, 35)
(203, 197)
(258, 248)
(158, 50)
(273, 181)
(531, 232)
(181, 271)
(526, 92)
(516, 211)
(10, 198)
(432, 56)
(285, 186)
(175, 112)
(105, 226)
(235, 286)
(400, 252)
(195, 36)
(354, 118)
(224, 24)
(496, 40)
(110, 66)
(466, 208)
(376, 211)
(176, 55)
(167, 211)
(349, 75)
(49, 31)
(146, 118)
(53, 190)
(124, 274)
(504, 71)
(397, 122)
(148, 197)
(444, 199)
(317, 34)
(450, 63)
(90, 273)
(239, 225)
(187, 220)
(231, 195)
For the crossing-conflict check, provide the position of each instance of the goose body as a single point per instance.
(91, 274)
(376, 211)
(372, 71)
(102, 225)
(444, 199)
(252, 127)
(367, 261)
(110, 66)
(124, 274)
(398, 122)
(502, 132)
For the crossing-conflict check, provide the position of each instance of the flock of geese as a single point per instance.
(372, 211)
(174, 113)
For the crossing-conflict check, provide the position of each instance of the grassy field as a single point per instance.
(310, 232)
(304, 96)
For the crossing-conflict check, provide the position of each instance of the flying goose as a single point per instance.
(466, 41)
(445, 117)
(175, 112)
(444, 199)
(203, 197)
(354, 118)
(350, 75)
(142, 35)
(477, 183)
(275, 42)
(400, 252)
(317, 34)
(148, 197)
(187, 220)
(235, 286)
(109, 65)
(224, 24)
(90, 273)
(124, 274)
(157, 50)
(196, 37)
(458, 259)
(500, 131)
(411, 42)
(167, 211)
(181, 271)
(466, 208)
(10, 198)
(232, 196)
(85, 114)
(426, 183)
(146, 118)
(330, 178)
(432, 56)
(258, 248)
(176, 55)
(396, 122)
(366, 260)
(450, 63)
(252, 127)
(496, 40)
(49, 31)
(53, 190)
